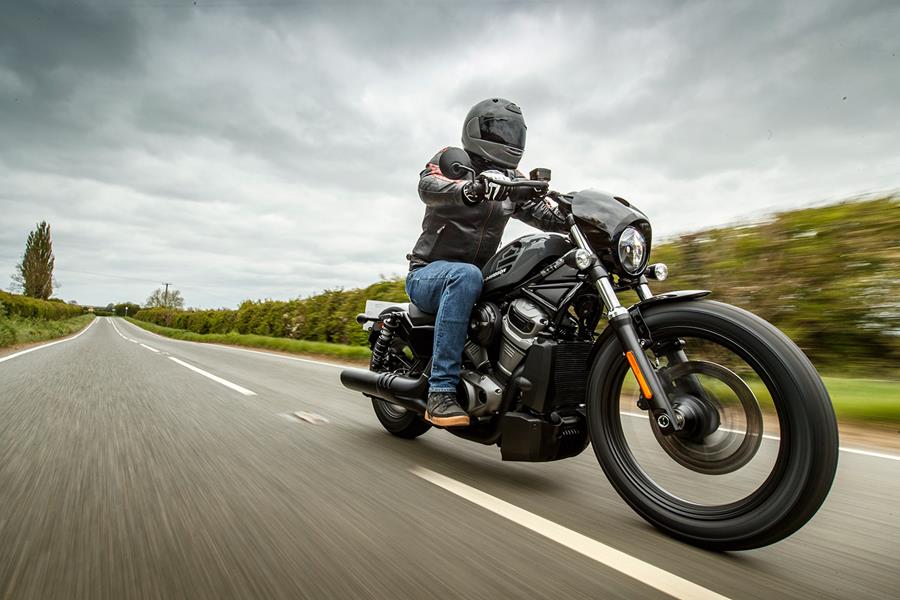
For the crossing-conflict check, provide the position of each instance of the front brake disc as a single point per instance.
(725, 449)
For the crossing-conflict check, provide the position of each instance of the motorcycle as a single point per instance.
(707, 420)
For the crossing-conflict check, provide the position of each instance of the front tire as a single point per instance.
(807, 452)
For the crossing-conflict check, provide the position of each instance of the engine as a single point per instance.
(516, 331)
(522, 322)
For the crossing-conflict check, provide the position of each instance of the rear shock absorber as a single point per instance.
(389, 326)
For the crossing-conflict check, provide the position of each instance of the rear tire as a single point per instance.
(808, 445)
(396, 419)
(399, 421)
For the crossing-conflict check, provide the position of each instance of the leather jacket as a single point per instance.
(457, 231)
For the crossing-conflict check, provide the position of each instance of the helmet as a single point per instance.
(495, 130)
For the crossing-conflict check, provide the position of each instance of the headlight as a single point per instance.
(632, 250)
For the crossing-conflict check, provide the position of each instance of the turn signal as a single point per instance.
(657, 271)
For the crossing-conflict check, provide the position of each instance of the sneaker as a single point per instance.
(444, 411)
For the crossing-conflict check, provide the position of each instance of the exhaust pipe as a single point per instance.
(408, 392)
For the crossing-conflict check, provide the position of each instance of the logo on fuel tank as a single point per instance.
(496, 274)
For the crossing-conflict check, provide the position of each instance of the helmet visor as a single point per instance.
(510, 132)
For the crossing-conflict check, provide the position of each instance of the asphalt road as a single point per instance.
(127, 474)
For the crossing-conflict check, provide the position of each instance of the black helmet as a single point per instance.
(495, 131)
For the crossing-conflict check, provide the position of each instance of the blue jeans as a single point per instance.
(448, 290)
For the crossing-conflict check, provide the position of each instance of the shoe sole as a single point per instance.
(458, 421)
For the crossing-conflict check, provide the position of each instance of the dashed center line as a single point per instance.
(149, 348)
(215, 378)
(626, 564)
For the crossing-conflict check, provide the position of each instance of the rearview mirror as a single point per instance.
(539, 174)
(455, 164)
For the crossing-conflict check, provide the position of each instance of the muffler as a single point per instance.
(408, 392)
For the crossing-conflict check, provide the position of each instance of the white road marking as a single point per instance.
(274, 354)
(340, 366)
(775, 437)
(626, 564)
(215, 378)
(149, 348)
(870, 453)
(48, 344)
(113, 323)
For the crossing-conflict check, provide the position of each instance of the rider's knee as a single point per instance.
(469, 276)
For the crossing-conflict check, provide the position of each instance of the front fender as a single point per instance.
(634, 309)
(678, 296)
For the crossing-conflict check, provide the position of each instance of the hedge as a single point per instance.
(326, 317)
(32, 308)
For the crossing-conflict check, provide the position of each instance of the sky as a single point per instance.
(268, 149)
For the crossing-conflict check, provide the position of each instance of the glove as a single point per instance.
(521, 195)
(494, 191)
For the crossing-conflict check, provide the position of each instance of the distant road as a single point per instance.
(135, 466)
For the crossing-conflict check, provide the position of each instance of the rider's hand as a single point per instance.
(525, 194)
(473, 193)
(494, 191)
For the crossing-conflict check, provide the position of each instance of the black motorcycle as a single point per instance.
(707, 420)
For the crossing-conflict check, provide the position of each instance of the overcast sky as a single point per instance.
(252, 150)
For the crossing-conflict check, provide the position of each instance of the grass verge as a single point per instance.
(324, 349)
(15, 330)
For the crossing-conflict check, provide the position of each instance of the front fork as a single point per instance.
(652, 390)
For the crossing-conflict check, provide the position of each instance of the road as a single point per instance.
(125, 473)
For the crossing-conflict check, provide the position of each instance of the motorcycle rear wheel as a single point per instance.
(395, 419)
(807, 452)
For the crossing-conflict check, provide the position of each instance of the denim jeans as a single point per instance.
(448, 290)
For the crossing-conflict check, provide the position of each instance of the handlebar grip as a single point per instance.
(519, 183)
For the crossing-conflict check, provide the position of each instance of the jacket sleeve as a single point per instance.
(436, 189)
(540, 214)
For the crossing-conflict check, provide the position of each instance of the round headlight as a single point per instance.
(632, 250)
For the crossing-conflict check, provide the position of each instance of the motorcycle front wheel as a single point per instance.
(761, 451)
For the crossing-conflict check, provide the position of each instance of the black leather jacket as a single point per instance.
(456, 231)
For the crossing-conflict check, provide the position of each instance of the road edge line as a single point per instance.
(48, 344)
(633, 567)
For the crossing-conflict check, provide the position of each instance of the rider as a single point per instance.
(463, 224)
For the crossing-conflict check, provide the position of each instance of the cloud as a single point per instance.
(244, 150)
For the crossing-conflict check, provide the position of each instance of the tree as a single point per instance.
(159, 299)
(34, 275)
(125, 309)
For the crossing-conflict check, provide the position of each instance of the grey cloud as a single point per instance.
(268, 150)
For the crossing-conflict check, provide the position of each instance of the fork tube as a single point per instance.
(620, 319)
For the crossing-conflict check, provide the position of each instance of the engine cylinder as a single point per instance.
(521, 324)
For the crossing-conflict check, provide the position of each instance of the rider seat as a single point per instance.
(419, 317)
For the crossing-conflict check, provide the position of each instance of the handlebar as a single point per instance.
(519, 183)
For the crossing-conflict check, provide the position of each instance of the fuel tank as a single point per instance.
(520, 259)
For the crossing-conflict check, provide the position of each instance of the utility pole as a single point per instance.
(166, 295)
